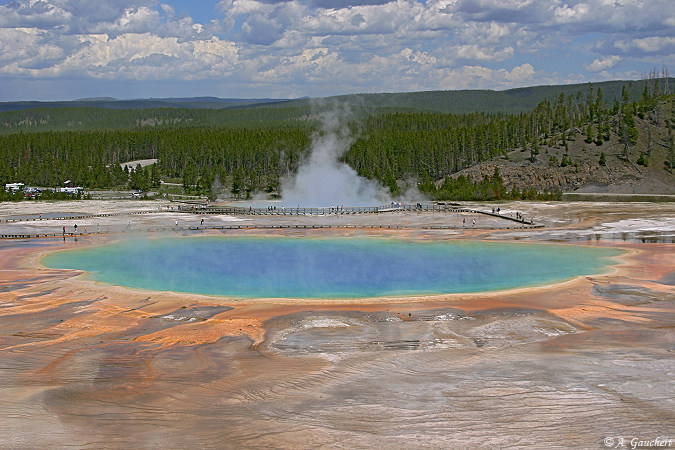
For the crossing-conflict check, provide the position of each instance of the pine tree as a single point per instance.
(589, 134)
(534, 150)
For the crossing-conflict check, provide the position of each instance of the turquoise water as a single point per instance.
(329, 268)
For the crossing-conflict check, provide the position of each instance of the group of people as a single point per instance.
(84, 231)
(497, 210)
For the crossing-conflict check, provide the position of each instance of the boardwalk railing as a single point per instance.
(201, 209)
(197, 209)
(334, 210)
(340, 210)
(74, 216)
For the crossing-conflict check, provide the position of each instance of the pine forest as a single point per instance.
(250, 150)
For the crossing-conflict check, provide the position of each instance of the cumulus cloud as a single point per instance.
(573, 16)
(29, 49)
(599, 65)
(654, 44)
(72, 16)
(478, 53)
(484, 77)
(133, 55)
(338, 46)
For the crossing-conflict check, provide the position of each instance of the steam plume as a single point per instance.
(322, 180)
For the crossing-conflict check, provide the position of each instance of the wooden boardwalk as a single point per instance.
(76, 216)
(339, 211)
(334, 211)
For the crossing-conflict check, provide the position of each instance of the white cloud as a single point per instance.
(70, 16)
(571, 14)
(358, 45)
(599, 65)
(480, 77)
(477, 53)
(133, 55)
(648, 45)
(132, 20)
(417, 57)
(28, 50)
(168, 9)
(520, 74)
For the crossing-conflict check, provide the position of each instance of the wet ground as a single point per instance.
(571, 365)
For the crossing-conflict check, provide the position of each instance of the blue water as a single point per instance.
(329, 268)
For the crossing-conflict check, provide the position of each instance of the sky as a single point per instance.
(69, 49)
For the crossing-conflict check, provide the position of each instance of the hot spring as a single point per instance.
(292, 267)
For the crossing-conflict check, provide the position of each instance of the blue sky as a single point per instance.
(67, 49)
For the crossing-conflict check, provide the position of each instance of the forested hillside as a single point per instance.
(90, 119)
(232, 151)
(111, 114)
(148, 103)
(512, 101)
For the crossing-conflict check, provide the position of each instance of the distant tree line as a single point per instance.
(391, 147)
